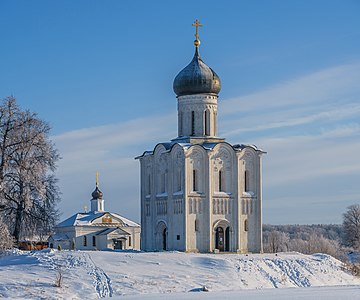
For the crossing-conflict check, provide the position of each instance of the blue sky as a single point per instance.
(101, 73)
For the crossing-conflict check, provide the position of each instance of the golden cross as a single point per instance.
(97, 178)
(197, 25)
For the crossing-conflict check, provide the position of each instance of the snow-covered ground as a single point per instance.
(175, 275)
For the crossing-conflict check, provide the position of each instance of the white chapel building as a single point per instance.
(97, 229)
(198, 192)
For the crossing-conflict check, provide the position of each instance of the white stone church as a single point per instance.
(96, 229)
(198, 192)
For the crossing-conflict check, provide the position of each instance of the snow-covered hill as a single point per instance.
(94, 274)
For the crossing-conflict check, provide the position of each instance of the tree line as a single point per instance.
(332, 239)
(28, 186)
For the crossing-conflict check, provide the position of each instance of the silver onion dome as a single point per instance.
(196, 78)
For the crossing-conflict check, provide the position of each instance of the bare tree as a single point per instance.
(351, 226)
(28, 191)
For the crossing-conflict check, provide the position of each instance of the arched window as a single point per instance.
(246, 181)
(206, 122)
(221, 186)
(178, 180)
(180, 124)
(192, 123)
(85, 241)
(163, 182)
(215, 123)
(195, 184)
(148, 184)
(246, 225)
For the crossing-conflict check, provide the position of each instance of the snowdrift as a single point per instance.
(94, 274)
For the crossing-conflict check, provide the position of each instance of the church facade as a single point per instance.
(198, 192)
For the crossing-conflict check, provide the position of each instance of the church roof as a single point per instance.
(206, 146)
(87, 219)
(59, 237)
(196, 78)
(113, 230)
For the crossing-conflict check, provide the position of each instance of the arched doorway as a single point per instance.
(222, 235)
(164, 239)
(219, 239)
(161, 237)
(227, 239)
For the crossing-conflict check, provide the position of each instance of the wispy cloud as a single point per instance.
(334, 85)
(283, 119)
(309, 126)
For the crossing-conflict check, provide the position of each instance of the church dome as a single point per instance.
(97, 194)
(196, 78)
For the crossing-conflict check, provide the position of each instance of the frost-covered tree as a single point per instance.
(276, 241)
(351, 226)
(28, 190)
(6, 240)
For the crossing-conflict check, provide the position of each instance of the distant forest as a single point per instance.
(307, 239)
(328, 231)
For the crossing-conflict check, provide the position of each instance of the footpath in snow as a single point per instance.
(96, 274)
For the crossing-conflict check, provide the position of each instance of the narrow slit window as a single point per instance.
(194, 181)
(94, 241)
(149, 184)
(163, 182)
(192, 123)
(85, 241)
(207, 122)
(180, 124)
(220, 181)
(246, 225)
(246, 179)
(178, 180)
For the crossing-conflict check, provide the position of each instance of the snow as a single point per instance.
(81, 219)
(139, 275)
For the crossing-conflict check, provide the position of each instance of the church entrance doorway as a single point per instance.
(117, 244)
(161, 237)
(222, 238)
(164, 240)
